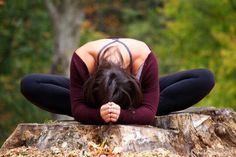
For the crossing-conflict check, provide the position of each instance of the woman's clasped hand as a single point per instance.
(110, 112)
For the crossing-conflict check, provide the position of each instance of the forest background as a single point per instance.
(184, 34)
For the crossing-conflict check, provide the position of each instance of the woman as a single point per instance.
(116, 80)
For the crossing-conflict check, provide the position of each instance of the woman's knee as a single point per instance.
(28, 84)
(207, 78)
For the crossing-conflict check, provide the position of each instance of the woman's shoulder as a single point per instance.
(86, 53)
(97, 44)
(106, 40)
(132, 40)
(91, 46)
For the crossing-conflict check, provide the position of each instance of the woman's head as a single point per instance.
(111, 83)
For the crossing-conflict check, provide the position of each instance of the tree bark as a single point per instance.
(196, 132)
(66, 16)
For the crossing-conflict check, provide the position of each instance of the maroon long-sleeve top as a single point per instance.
(145, 114)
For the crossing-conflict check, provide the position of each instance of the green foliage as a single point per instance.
(26, 47)
(204, 35)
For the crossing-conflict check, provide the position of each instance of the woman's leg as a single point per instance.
(49, 92)
(184, 89)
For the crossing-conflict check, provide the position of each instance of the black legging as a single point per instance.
(177, 91)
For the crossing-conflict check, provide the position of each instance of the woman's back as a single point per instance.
(130, 49)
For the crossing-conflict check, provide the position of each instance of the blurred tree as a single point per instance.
(66, 17)
(2, 2)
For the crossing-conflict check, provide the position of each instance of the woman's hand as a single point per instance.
(105, 112)
(115, 111)
(110, 112)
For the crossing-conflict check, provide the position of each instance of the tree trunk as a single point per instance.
(66, 16)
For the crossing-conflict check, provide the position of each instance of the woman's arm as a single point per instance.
(150, 88)
(78, 75)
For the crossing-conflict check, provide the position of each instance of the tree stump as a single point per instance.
(192, 132)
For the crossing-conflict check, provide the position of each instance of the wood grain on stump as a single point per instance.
(192, 132)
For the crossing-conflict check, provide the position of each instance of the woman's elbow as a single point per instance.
(148, 119)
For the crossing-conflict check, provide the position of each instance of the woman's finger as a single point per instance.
(113, 115)
(115, 111)
(115, 106)
(104, 112)
(105, 106)
(107, 118)
(113, 120)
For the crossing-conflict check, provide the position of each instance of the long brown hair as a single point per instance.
(111, 83)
